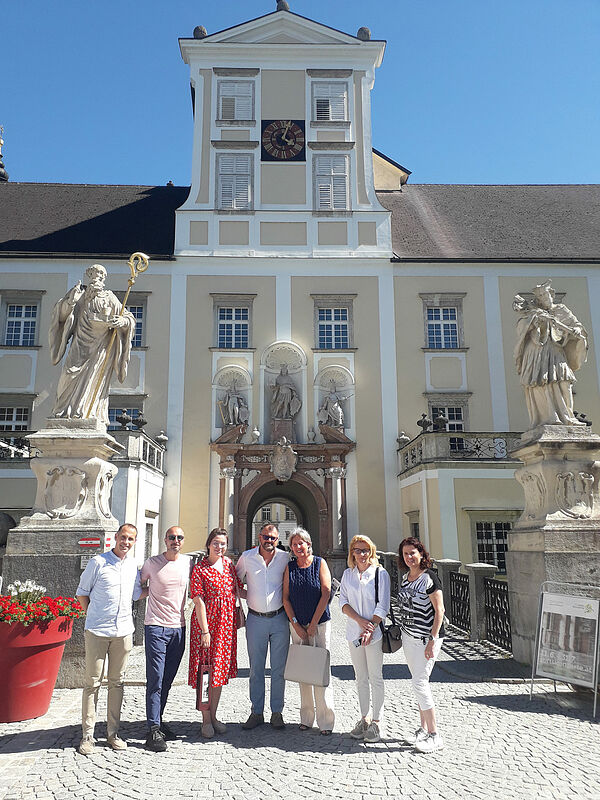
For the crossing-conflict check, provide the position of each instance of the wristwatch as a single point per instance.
(433, 638)
(294, 620)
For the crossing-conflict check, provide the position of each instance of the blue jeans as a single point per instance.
(164, 651)
(262, 633)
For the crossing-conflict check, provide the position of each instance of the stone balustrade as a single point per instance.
(457, 446)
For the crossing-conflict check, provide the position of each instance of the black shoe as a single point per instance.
(167, 733)
(155, 740)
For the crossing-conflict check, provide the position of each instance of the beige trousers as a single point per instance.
(96, 649)
(319, 696)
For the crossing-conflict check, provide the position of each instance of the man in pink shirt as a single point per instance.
(167, 576)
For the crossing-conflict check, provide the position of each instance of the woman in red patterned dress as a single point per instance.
(214, 588)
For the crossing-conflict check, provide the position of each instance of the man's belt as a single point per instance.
(265, 613)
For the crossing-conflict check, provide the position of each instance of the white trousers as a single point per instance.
(319, 696)
(420, 668)
(368, 670)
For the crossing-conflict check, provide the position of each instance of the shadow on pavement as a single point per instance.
(548, 704)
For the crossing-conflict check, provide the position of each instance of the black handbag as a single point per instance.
(391, 635)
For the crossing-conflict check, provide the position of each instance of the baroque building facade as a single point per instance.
(300, 289)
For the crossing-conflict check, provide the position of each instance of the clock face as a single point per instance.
(283, 140)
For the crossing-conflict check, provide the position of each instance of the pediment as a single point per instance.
(282, 27)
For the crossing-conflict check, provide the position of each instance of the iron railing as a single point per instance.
(497, 613)
(460, 610)
(457, 446)
(14, 446)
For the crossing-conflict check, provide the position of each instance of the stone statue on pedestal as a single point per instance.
(285, 400)
(87, 317)
(234, 408)
(551, 346)
(331, 411)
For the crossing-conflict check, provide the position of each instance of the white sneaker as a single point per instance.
(417, 736)
(358, 731)
(372, 733)
(432, 743)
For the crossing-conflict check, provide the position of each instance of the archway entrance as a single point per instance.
(292, 495)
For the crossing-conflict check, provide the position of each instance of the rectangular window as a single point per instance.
(234, 189)
(265, 513)
(454, 415)
(233, 330)
(21, 320)
(113, 413)
(289, 514)
(235, 100)
(14, 418)
(333, 329)
(331, 183)
(330, 102)
(138, 315)
(442, 328)
(492, 543)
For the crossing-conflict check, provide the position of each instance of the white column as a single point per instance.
(493, 325)
(229, 474)
(425, 509)
(389, 403)
(283, 308)
(175, 389)
(448, 515)
(594, 291)
(336, 474)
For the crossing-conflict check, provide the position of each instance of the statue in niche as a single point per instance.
(285, 400)
(331, 411)
(233, 407)
(551, 345)
(87, 316)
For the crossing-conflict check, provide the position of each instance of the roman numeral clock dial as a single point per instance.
(283, 140)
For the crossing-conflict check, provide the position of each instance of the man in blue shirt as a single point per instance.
(106, 591)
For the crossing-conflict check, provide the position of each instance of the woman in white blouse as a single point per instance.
(358, 603)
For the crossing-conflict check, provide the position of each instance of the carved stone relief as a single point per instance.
(535, 493)
(65, 492)
(574, 495)
(283, 460)
(105, 484)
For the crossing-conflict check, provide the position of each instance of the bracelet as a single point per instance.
(203, 633)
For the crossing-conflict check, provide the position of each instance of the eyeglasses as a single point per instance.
(269, 538)
(178, 538)
(360, 551)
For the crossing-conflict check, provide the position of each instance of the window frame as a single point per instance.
(20, 297)
(331, 302)
(235, 120)
(319, 176)
(316, 85)
(221, 158)
(486, 516)
(226, 300)
(441, 301)
(16, 405)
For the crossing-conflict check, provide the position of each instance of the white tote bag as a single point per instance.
(307, 664)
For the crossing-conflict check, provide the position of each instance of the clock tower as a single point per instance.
(282, 157)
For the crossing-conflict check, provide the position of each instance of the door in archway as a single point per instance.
(290, 494)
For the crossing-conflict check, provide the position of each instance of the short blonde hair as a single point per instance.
(373, 560)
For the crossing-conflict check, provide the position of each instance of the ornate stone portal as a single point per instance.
(557, 537)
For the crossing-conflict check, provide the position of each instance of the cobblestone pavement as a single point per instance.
(498, 743)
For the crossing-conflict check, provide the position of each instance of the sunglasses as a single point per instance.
(360, 551)
(178, 538)
(269, 538)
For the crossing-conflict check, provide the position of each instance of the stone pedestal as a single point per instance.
(557, 537)
(282, 427)
(477, 572)
(71, 519)
(444, 567)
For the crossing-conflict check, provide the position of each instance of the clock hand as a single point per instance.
(284, 134)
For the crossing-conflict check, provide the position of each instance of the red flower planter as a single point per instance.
(30, 657)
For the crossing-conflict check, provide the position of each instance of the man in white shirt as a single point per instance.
(106, 591)
(267, 626)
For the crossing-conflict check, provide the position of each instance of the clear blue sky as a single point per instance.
(470, 91)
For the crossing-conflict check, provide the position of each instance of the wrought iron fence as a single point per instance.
(460, 610)
(497, 613)
(14, 445)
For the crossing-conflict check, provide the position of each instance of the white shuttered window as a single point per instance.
(331, 182)
(234, 181)
(236, 100)
(330, 102)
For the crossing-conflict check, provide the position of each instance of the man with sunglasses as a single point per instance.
(166, 576)
(267, 626)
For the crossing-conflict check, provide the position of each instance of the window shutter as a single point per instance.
(228, 108)
(332, 182)
(330, 101)
(236, 99)
(244, 101)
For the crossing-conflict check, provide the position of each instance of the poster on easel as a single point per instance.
(567, 642)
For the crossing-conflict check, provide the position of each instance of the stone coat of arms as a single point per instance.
(283, 460)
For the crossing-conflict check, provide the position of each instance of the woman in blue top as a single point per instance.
(306, 594)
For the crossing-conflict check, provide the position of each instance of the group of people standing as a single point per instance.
(286, 597)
